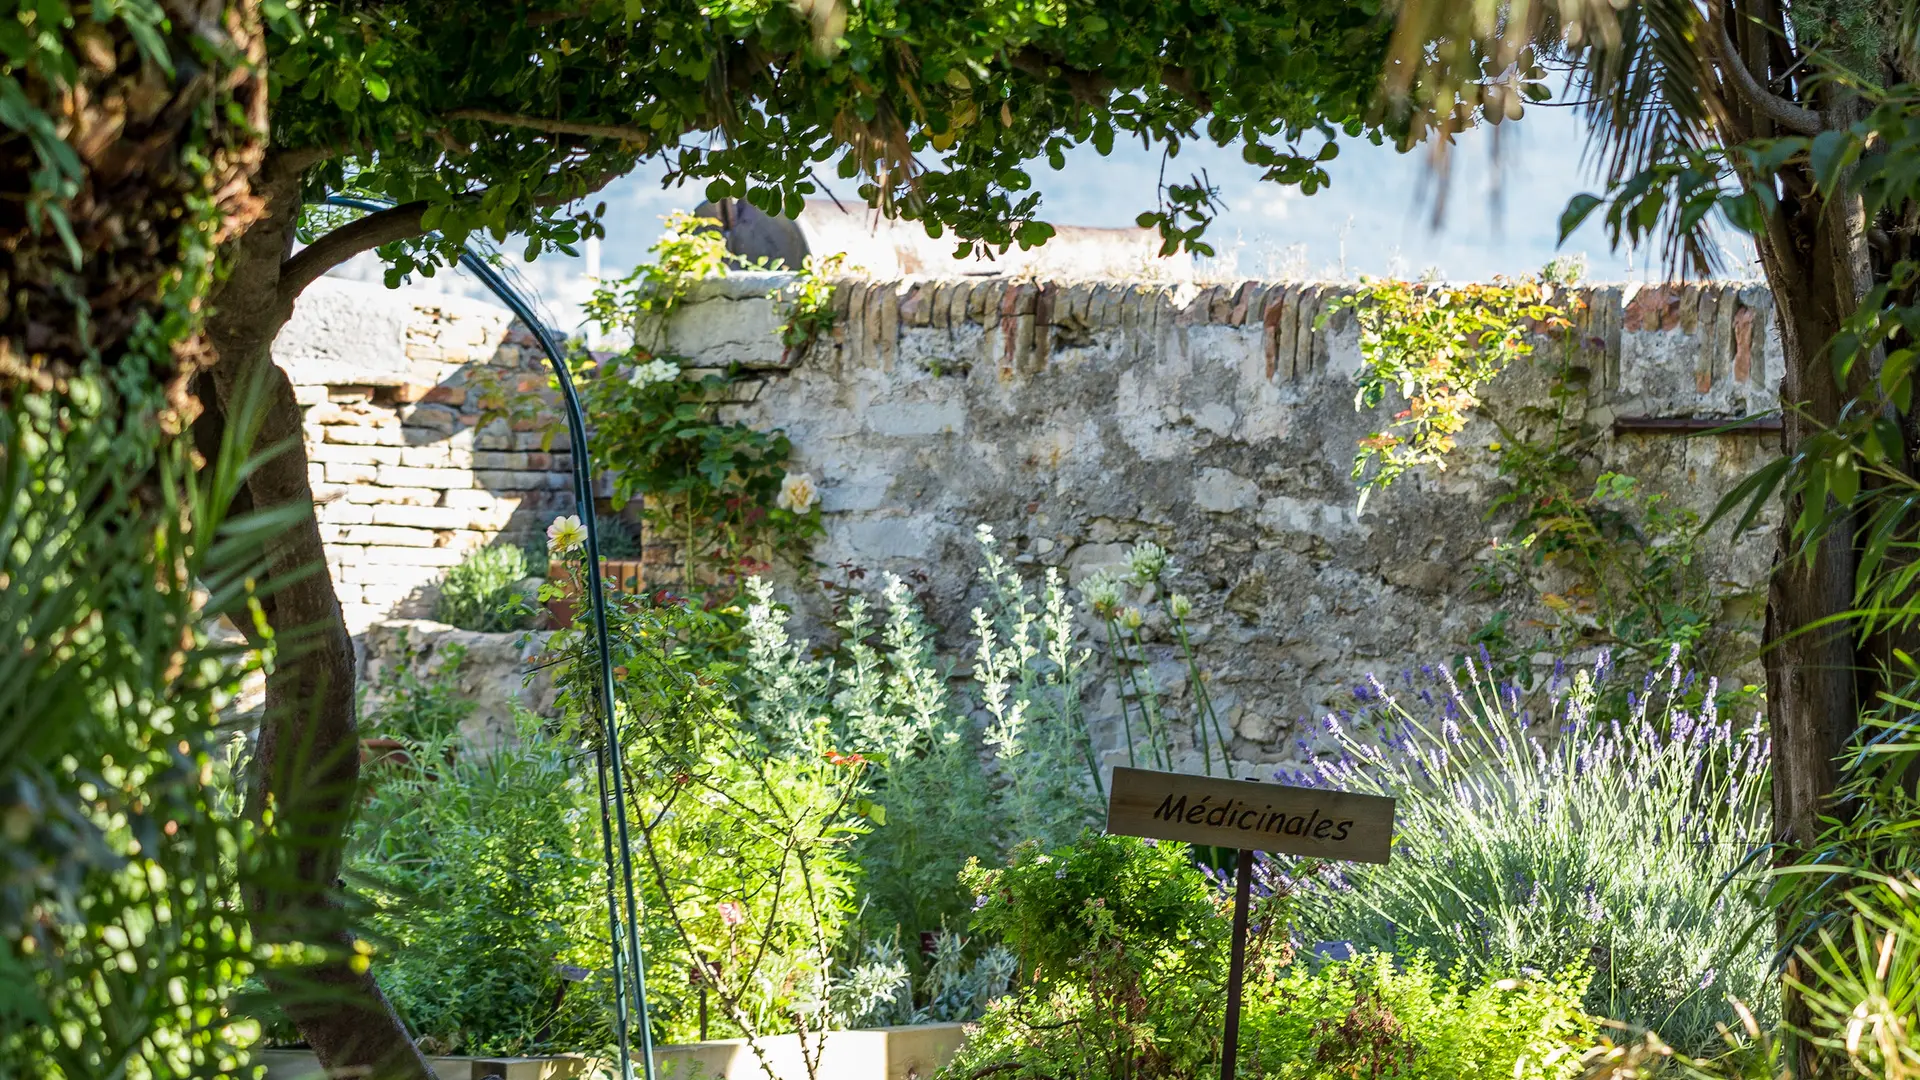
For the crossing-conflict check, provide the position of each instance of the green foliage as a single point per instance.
(690, 250)
(1125, 943)
(888, 702)
(487, 591)
(1639, 583)
(741, 845)
(414, 703)
(808, 302)
(956, 983)
(720, 490)
(1374, 1017)
(1436, 347)
(1105, 594)
(1622, 845)
(119, 945)
(1028, 673)
(483, 878)
(1112, 910)
(496, 120)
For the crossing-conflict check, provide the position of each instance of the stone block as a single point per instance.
(425, 457)
(918, 419)
(349, 472)
(513, 480)
(341, 512)
(1219, 491)
(353, 453)
(538, 440)
(400, 476)
(409, 496)
(366, 435)
(441, 418)
(396, 555)
(417, 518)
(512, 460)
(387, 535)
(477, 499)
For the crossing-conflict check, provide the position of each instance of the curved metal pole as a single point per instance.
(629, 962)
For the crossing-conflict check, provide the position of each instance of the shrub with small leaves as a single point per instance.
(1371, 1017)
(488, 591)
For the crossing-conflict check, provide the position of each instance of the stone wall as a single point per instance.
(1074, 419)
(407, 483)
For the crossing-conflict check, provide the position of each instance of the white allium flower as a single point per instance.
(651, 372)
(1102, 592)
(1131, 618)
(1180, 604)
(1148, 561)
(797, 493)
(565, 534)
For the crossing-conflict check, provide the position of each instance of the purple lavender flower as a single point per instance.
(1379, 691)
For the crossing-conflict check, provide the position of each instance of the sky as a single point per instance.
(1507, 190)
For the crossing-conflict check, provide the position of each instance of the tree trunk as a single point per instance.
(148, 142)
(1818, 681)
(306, 765)
(1813, 698)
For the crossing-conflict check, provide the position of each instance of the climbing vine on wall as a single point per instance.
(1608, 561)
(718, 490)
(1437, 346)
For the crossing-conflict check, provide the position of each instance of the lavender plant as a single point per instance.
(1569, 839)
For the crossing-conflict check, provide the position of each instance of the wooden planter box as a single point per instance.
(620, 575)
(302, 1065)
(910, 1052)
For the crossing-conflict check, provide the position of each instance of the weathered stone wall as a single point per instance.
(406, 481)
(1078, 419)
(1074, 419)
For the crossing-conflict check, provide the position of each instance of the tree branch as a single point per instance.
(1085, 86)
(394, 223)
(343, 243)
(1092, 87)
(622, 132)
(1790, 115)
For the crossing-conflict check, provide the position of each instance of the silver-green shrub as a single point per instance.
(955, 775)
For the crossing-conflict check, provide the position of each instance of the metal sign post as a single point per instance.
(1249, 817)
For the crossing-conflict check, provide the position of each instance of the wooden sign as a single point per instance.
(1253, 816)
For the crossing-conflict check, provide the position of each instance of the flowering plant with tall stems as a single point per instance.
(1148, 564)
(1622, 841)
